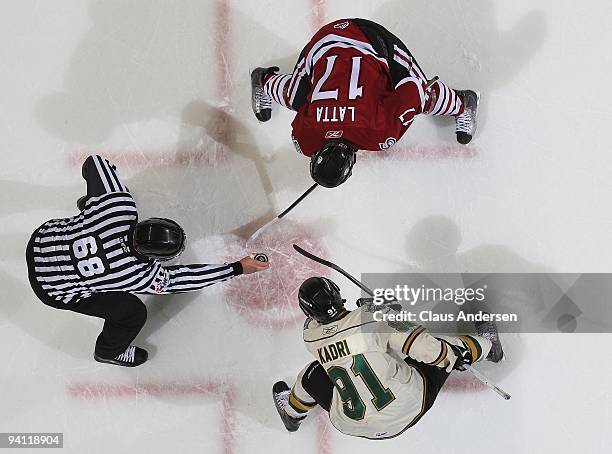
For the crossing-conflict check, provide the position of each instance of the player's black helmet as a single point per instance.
(333, 163)
(158, 238)
(320, 299)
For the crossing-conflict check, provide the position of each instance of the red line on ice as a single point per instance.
(419, 152)
(136, 159)
(224, 88)
(222, 390)
(323, 433)
(222, 37)
(318, 14)
(317, 20)
(132, 159)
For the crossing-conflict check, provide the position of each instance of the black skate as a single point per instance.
(280, 394)
(488, 330)
(131, 357)
(465, 124)
(261, 103)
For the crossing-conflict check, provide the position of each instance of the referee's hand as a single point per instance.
(250, 265)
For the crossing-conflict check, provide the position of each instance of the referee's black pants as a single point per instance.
(124, 316)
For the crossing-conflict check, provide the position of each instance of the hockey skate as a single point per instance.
(465, 123)
(131, 357)
(280, 394)
(488, 330)
(260, 101)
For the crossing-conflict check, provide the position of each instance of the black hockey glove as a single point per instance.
(361, 301)
(463, 357)
(370, 301)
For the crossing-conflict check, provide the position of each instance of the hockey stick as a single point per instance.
(431, 82)
(483, 378)
(280, 216)
(478, 375)
(333, 266)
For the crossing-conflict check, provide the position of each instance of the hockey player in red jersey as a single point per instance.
(356, 86)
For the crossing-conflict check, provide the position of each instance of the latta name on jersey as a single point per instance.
(333, 351)
(335, 114)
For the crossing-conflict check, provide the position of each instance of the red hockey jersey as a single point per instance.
(348, 92)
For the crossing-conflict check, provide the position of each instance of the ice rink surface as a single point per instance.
(161, 88)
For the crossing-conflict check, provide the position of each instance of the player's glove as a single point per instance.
(463, 357)
(361, 301)
(392, 304)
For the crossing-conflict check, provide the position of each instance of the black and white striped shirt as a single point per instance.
(72, 258)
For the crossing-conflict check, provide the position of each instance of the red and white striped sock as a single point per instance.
(443, 100)
(275, 86)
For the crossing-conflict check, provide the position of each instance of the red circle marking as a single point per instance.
(269, 299)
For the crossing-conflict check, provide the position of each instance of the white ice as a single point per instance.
(162, 88)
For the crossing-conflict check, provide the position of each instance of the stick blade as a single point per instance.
(299, 249)
(261, 229)
(311, 256)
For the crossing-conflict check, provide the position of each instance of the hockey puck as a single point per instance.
(260, 257)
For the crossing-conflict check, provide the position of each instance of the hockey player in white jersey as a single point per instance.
(375, 378)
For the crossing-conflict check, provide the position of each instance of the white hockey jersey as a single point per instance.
(376, 393)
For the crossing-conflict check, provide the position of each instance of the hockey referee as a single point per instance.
(94, 262)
